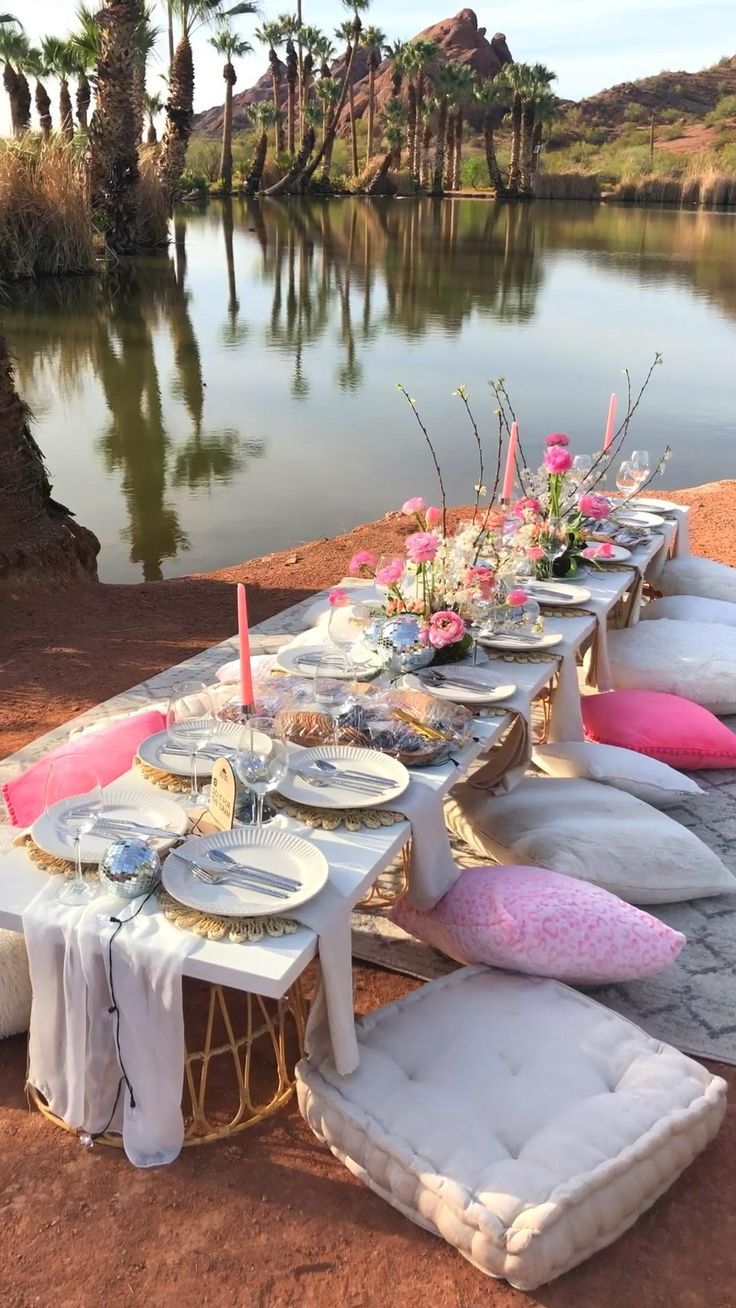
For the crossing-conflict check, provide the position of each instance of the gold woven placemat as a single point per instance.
(165, 780)
(569, 611)
(329, 819)
(51, 863)
(209, 926)
(525, 658)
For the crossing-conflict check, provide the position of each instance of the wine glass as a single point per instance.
(262, 758)
(554, 540)
(626, 481)
(68, 775)
(641, 466)
(332, 690)
(191, 722)
(480, 619)
(582, 466)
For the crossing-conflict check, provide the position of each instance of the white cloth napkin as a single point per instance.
(73, 1056)
(432, 871)
(331, 1015)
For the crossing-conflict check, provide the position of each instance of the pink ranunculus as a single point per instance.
(363, 559)
(594, 506)
(557, 459)
(516, 597)
(390, 573)
(338, 598)
(481, 579)
(445, 628)
(415, 505)
(527, 505)
(433, 516)
(535, 553)
(422, 546)
(557, 438)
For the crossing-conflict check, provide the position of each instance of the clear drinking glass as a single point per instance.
(262, 758)
(480, 619)
(641, 466)
(582, 466)
(332, 690)
(626, 481)
(71, 779)
(191, 723)
(553, 539)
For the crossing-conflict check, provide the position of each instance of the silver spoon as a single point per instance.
(219, 856)
(332, 770)
(228, 878)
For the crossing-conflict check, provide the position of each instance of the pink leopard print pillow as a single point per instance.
(530, 920)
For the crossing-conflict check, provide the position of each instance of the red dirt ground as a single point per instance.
(270, 1218)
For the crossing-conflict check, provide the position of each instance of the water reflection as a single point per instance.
(280, 327)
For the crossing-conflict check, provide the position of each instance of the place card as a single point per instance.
(221, 809)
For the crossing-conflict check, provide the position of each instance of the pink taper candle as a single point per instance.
(246, 675)
(610, 423)
(509, 474)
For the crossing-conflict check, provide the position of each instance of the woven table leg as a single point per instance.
(392, 884)
(254, 1075)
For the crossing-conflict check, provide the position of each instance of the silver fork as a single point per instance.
(344, 783)
(231, 878)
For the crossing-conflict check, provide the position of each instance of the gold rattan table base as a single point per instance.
(246, 1038)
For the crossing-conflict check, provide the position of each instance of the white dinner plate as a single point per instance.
(520, 644)
(347, 758)
(365, 662)
(647, 505)
(137, 803)
(488, 690)
(563, 594)
(637, 518)
(266, 848)
(617, 555)
(154, 750)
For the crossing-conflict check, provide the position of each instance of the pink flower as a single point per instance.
(594, 506)
(338, 598)
(482, 579)
(557, 438)
(433, 516)
(390, 573)
(516, 597)
(605, 550)
(535, 553)
(415, 505)
(363, 559)
(527, 505)
(422, 546)
(557, 460)
(445, 628)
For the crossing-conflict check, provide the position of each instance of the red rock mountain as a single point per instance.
(460, 40)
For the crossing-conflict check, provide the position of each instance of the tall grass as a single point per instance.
(567, 186)
(45, 223)
(708, 189)
(153, 205)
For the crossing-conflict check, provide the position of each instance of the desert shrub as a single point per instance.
(636, 113)
(474, 173)
(723, 112)
(192, 183)
(203, 158)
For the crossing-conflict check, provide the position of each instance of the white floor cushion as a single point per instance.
(590, 831)
(691, 608)
(645, 778)
(521, 1121)
(695, 576)
(696, 660)
(15, 985)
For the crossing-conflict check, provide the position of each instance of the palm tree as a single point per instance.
(113, 135)
(154, 103)
(395, 55)
(411, 61)
(356, 8)
(429, 113)
(37, 67)
(547, 107)
(85, 43)
(517, 77)
(538, 83)
(270, 34)
(445, 84)
(373, 40)
(425, 55)
(146, 36)
(59, 57)
(180, 105)
(228, 44)
(345, 32)
(13, 51)
(328, 91)
(395, 120)
(264, 114)
(493, 95)
(464, 80)
(291, 27)
(312, 44)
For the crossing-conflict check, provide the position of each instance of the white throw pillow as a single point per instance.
(691, 608)
(593, 832)
(645, 778)
(696, 660)
(519, 1120)
(15, 985)
(694, 576)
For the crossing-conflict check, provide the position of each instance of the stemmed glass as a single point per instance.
(69, 775)
(332, 690)
(480, 619)
(191, 722)
(626, 480)
(582, 466)
(641, 466)
(554, 540)
(262, 758)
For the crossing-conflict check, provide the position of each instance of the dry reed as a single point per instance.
(153, 208)
(45, 224)
(567, 186)
(707, 188)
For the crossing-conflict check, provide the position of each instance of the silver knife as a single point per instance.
(242, 869)
(124, 827)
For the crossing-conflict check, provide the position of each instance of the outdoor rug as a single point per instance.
(692, 1004)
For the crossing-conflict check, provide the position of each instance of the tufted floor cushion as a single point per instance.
(521, 1121)
(15, 985)
(594, 832)
(691, 608)
(695, 576)
(696, 660)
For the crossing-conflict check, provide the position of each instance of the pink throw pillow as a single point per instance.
(666, 727)
(527, 919)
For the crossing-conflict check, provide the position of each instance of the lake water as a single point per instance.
(238, 395)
